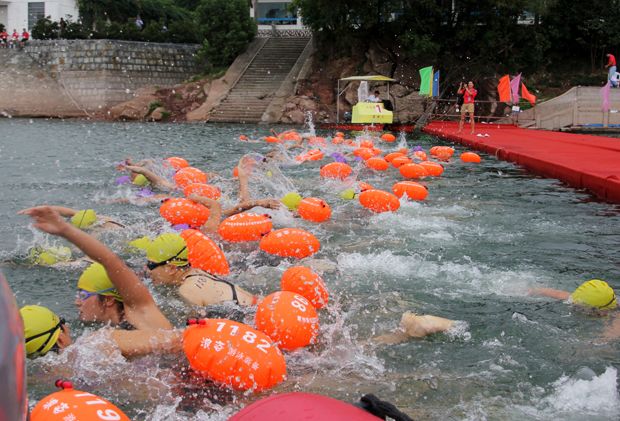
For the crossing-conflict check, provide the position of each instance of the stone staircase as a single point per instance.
(254, 90)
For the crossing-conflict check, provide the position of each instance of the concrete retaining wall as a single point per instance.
(96, 74)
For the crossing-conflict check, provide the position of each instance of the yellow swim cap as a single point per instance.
(595, 293)
(41, 329)
(169, 247)
(84, 218)
(140, 244)
(141, 181)
(95, 279)
(291, 200)
(348, 194)
(49, 256)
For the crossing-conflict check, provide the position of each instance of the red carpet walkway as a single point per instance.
(582, 161)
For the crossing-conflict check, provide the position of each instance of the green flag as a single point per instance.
(426, 81)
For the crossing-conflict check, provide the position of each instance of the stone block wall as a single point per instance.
(97, 74)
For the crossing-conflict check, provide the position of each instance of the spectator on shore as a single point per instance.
(375, 97)
(139, 23)
(62, 28)
(25, 38)
(4, 38)
(611, 66)
(14, 39)
(469, 93)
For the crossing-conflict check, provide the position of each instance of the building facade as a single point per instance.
(19, 14)
(271, 14)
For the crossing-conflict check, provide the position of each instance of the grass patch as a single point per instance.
(153, 106)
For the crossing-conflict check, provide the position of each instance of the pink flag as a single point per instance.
(514, 87)
(605, 96)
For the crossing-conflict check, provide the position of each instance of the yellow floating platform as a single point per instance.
(371, 112)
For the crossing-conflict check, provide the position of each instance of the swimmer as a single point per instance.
(594, 296)
(415, 326)
(167, 264)
(87, 219)
(143, 176)
(108, 290)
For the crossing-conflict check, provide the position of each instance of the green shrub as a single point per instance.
(45, 28)
(153, 106)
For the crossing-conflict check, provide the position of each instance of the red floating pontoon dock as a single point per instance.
(582, 161)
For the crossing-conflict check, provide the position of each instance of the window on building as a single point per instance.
(275, 12)
(36, 11)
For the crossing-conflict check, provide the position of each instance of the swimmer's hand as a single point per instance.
(46, 219)
(208, 202)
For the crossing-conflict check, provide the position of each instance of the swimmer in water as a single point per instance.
(594, 296)
(108, 290)
(415, 326)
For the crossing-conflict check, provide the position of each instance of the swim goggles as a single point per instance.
(153, 265)
(49, 332)
(84, 295)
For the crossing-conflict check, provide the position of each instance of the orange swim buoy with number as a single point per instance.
(432, 168)
(184, 211)
(201, 189)
(377, 163)
(388, 137)
(176, 162)
(288, 319)
(389, 157)
(336, 170)
(412, 171)
(188, 175)
(413, 190)
(379, 201)
(233, 354)
(203, 253)
(314, 209)
(290, 242)
(400, 161)
(303, 281)
(245, 227)
(471, 157)
(71, 404)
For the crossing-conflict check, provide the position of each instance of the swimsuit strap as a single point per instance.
(235, 299)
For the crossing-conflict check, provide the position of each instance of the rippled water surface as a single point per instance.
(470, 252)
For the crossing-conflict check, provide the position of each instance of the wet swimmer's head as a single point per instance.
(48, 256)
(291, 200)
(84, 219)
(594, 294)
(44, 331)
(165, 254)
(97, 299)
(139, 180)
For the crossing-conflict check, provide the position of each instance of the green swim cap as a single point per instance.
(595, 293)
(348, 194)
(140, 244)
(291, 200)
(49, 256)
(169, 247)
(141, 181)
(41, 329)
(84, 218)
(95, 279)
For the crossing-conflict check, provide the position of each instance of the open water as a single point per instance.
(470, 252)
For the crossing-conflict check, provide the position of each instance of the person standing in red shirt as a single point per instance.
(4, 38)
(25, 37)
(611, 65)
(469, 93)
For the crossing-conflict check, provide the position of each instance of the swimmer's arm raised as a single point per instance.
(136, 295)
(215, 213)
(549, 292)
(156, 180)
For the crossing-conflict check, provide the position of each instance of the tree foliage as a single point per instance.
(227, 28)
